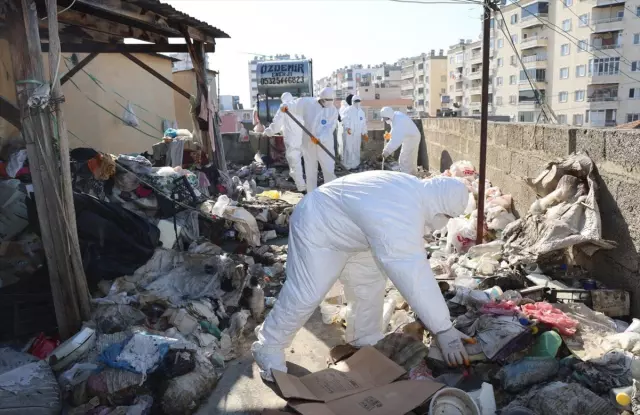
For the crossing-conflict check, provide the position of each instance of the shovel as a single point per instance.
(315, 140)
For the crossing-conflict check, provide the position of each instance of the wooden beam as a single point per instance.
(69, 233)
(77, 68)
(24, 44)
(10, 113)
(123, 48)
(157, 75)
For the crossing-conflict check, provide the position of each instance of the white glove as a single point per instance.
(453, 351)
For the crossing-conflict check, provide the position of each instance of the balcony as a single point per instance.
(533, 19)
(524, 84)
(407, 86)
(604, 77)
(475, 75)
(535, 61)
(605, 3)
(603, 123)
(475, 58)
(407, 94)
(533, 42)
(407, 74)
(528, 104)
(475, 104)
(604, 48)
(610, 24)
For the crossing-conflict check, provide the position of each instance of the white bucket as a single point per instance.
(330, 313)
(452, 401)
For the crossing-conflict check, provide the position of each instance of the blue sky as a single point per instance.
(334, 33)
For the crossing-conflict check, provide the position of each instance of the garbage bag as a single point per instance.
(27, 385)
(113, 241)
(114, 318)
(613, 370)
(129, 117)
(527, 372)
(462, 168)
(183, 393)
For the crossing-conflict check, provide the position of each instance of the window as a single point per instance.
(583, 20)
(512, 80)
(513, 99)
(604, 66)
(579, 95)
(636, 38)
(514, 18)
(562, 119)
(499, 81)
(582, 45)
(491, 44)
(513, 60)
(635, 66)
(498, 100)
(443, 90)
(443, 78)
(526, 116)
(568, 3)
(536, 75)
(638, 11)
(564, 50)
(500, 43)
(563, 96)
(566, 25)
(634, 93)
(633, 117)
(578, 119)
(581, 70)
(459, 58)
(564, 73)
(514, 39)
(500, 62)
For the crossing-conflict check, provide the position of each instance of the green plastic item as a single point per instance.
(211, 328)
(546, 345)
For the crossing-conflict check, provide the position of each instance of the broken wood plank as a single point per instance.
(123, 48)
(157, 75)
(77, 67)
(10, 112)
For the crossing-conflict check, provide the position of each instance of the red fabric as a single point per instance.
(548, 314)
(143, 191)
(43, 346)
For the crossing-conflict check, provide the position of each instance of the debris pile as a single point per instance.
(545, 337)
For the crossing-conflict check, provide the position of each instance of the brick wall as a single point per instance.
(515, 151)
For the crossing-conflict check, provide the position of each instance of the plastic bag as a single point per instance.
(462, 168)
(498, 218)
(461, 234)
(113, 318)
(548, 314)
(129, 117)
(184, 393)
(526, 372)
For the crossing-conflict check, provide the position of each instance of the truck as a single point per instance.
(277, 77)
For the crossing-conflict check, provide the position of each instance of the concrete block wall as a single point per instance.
(515, 151)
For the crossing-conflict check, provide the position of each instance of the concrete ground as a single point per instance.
(241, 390)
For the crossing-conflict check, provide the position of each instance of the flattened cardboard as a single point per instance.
(366, 369)
(392, 399)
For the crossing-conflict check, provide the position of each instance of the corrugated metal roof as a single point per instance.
(171, 13)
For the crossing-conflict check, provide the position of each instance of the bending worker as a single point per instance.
(403, 133)
(320, 117)
(292, 134)
(363, 228)
(351, 133)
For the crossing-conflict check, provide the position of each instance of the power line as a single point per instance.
(438, 2)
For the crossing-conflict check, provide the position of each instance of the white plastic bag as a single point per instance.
(498, 218)
(462, 168)
(129, 117)
(461, 234)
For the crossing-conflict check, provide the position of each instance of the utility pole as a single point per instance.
(484, 115)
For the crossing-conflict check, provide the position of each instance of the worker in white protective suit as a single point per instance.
(403, 133)
(292, 135)
(362, 228)
(320, 117)
(351, 132)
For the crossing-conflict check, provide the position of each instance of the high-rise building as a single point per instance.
(582, 60)
(424, 81)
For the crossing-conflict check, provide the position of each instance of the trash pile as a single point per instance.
(181, 260)
(547, 338)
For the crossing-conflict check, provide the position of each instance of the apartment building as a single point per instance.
(464, 83)
(580, 57)
(424, 81)
(253, 76)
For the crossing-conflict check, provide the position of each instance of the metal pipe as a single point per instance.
(484, 115)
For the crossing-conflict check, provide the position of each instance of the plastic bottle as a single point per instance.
(621, 397)
(546, 345)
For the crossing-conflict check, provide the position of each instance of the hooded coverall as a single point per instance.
(404, 133)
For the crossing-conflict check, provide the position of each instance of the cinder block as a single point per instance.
(556, 140)
(519, 166)
(503, 159)
(592, 141)
(622, 147)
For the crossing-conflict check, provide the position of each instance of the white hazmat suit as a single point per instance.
(320, 117)
(292, 135)
(351, 132)
(404, 133)
(362, 228)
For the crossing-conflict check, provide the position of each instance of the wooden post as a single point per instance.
(24, 40)
(67, 206)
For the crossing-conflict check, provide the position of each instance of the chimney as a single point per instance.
(433, 52)
(441, 52)
(462, 41)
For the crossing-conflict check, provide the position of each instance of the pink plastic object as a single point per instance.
(548, 314)
(503, 308)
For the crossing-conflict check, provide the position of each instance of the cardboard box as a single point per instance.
(362, 384)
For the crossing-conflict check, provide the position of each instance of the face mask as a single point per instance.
(326, 103)
(388, 121)
(356, 104)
